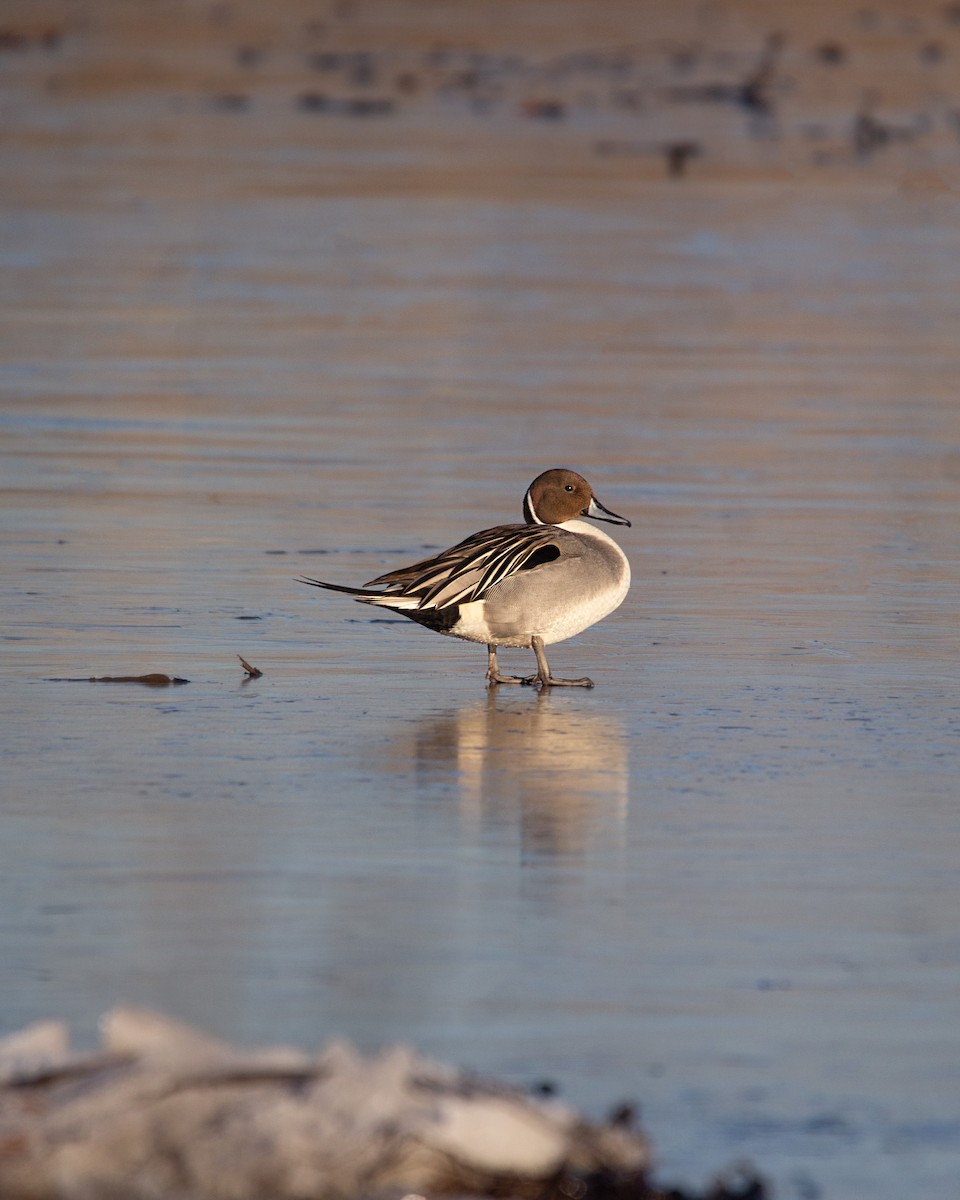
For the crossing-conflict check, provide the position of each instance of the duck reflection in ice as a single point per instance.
(561, 778)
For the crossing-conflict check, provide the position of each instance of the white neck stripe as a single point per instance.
(529, 512)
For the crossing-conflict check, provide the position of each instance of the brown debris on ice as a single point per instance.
(251, 671)
(154, 679)
(161, 1110)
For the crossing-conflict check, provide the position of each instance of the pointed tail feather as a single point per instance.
(365, 595)
(338, 587)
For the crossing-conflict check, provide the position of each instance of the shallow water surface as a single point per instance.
(723, 882)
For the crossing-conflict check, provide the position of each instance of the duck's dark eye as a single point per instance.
(568, 488)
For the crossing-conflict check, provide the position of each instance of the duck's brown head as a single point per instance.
(560, 495)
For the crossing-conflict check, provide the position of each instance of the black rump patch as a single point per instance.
(441, 620)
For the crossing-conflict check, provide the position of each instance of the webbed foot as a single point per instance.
(493, 671)
(550, 681)
(543, 678)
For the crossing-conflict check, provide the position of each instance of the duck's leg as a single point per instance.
(543, 676)
(493, 670)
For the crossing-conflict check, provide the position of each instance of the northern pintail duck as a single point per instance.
(516, 585)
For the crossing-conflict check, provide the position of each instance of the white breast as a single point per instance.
(580, 612)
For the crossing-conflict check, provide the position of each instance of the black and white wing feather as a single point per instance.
(462, 574)
(468, 570)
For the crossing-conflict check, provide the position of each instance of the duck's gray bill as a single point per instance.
(599, 513)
